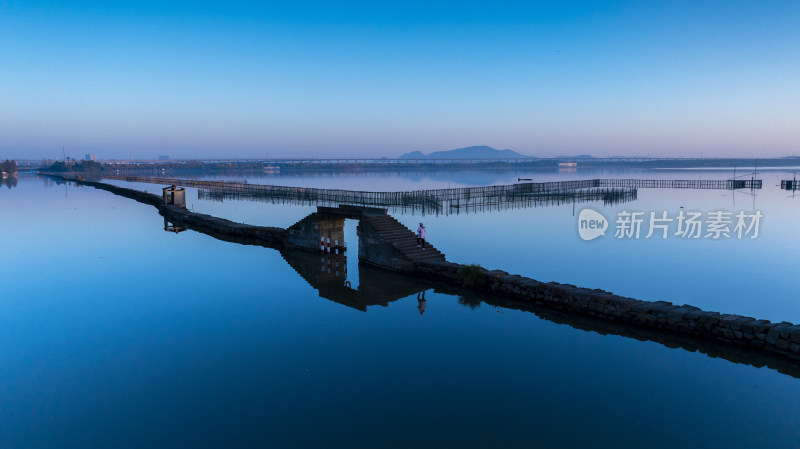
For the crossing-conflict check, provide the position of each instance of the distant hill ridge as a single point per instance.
(476, 152)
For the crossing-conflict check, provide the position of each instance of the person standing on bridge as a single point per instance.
(421, 235)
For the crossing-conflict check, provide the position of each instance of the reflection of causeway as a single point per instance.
(730, 352)
(382, 242)
(326, 273)
(378, 287)
(385, 243)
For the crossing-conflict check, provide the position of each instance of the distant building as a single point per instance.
(174, 195)
(567, 167)
(90, 157)
(163, 157)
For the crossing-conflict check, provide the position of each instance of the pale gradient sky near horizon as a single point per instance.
(364, 79)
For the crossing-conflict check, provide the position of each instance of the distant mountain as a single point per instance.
(413, 155)
(478, 152)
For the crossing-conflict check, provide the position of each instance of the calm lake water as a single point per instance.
(118, 334)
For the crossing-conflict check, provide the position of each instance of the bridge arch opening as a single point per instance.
(351, 241)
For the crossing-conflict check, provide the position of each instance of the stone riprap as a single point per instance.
(782, 338)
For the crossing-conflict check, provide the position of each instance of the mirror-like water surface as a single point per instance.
(118, 334)
(753, 277)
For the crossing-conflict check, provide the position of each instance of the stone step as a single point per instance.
(410, 240)
(390, 225)
(421, 251)
(396, 232)
(413, 246)
(404, 239)
(399, 238)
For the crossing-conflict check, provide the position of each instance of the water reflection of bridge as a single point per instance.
(326, 273)
(381, 288)
(383, 245)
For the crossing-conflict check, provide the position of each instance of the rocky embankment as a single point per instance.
(781, 338)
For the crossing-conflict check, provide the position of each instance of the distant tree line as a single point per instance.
(9, 166)
(81, 167)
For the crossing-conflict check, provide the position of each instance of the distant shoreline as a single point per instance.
(357, 165)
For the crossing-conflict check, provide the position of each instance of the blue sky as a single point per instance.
(359, 79)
